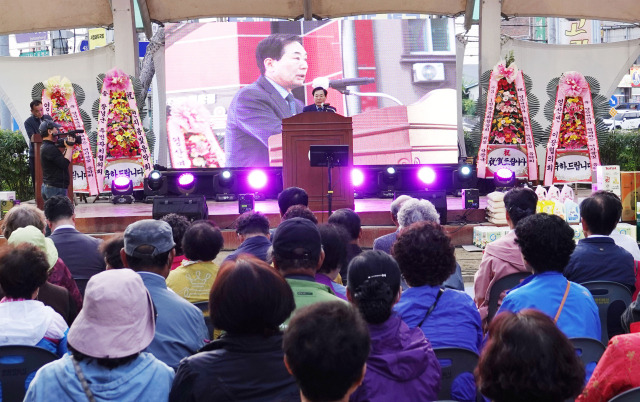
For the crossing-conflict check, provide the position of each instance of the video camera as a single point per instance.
(60, 142)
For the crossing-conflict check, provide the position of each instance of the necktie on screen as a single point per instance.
(292, 104)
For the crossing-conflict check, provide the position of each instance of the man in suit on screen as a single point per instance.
(319, 105)
(257, 110)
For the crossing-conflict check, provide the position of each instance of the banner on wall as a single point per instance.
(122, 148)
(191, 141)
(507, 138)
(59, 101)
(572, 150)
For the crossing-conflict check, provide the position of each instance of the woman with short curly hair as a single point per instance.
(448, 317)
(528, 359)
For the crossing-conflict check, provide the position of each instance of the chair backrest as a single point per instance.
(82, 285)
(632, 395)
(588, 349)
(506, 283)
(17, 362)
(605, 293)
(204, 307)
(453, 362)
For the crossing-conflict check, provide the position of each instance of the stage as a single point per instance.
(103, 218)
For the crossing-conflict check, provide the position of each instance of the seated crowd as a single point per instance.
(302, 313)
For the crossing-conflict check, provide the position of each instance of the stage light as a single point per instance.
(257, 179)
(357, 177)
(155, 180)
(224, 186)
(504, 177)
(122, 190)
(186, 183)
(465, 171)
(426, 175)
(391, 170)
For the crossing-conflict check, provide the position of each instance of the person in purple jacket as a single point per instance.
(402, 364)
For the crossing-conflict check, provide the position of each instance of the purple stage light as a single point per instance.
(357, 177)
(257, 179)
(121, 182)
(504, 173)
(186, 179)
(427, 175)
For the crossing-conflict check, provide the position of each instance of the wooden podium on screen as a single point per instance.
(291, 151)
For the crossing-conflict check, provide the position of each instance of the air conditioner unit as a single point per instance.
(428, 72)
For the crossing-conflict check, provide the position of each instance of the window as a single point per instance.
(430, 35)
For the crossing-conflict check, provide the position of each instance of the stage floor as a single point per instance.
(103, 217)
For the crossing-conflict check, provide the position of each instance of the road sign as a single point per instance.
(613, 101)
(613, 112)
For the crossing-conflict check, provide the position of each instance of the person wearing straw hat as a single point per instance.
(106, 341)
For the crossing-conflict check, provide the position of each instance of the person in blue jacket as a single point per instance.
(546, 243)
(448, 317)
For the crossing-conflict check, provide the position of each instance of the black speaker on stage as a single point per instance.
(470, 198)
(437, 197)
(246, 202)
(194, 207)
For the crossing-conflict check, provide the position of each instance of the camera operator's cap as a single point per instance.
(48, 125)
(33, 235)
(297, 239)
(117, 318)
(157, 236)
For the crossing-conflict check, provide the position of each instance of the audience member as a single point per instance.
(106, 343)
(334, 244)
(110, 249)
(193, 279)
(23, 319)
(252, 229)
(297, 254)
(546, 243)
(54, 296)
(617, 370)
(78, 250)
(502, 257)
(180, 328)
(415, 210)
(528, 359)
(385, 242)
(348, 219)
(402, 364)
(597, 257)
(448, 317)
(292, 196)
(326, 347)
(249, 300)
(300, 211)
(24, 215)
(179, 225)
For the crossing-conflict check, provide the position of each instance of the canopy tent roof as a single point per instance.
(44, 15)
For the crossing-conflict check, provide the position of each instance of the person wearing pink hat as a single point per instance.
(106, 341)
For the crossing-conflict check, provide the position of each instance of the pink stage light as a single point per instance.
(257, 179)
(426, 175)
(504, 173)
(121, 182)
(357, 177)
(186, 179)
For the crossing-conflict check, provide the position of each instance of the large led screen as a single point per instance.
(230, 84)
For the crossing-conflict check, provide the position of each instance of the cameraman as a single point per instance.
(55, 164)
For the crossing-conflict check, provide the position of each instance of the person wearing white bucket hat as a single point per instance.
(106, 341)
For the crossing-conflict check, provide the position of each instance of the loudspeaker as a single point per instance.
(246, 203)
(437, 197)
(470, 198)
(194, 207)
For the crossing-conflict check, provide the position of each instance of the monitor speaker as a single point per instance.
(194, 207)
